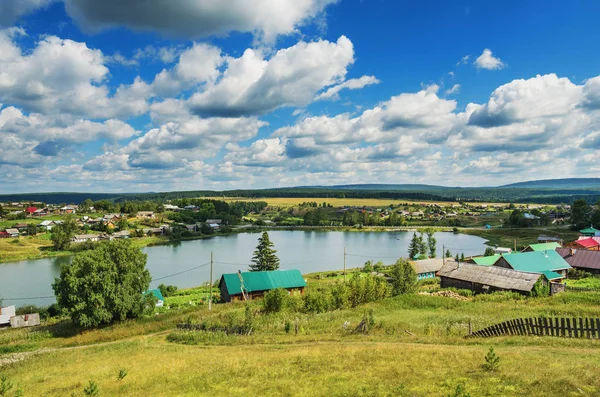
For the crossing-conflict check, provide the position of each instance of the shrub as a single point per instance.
(339, 296)
(91, 389)
(366, 289)
(5, 385)
(540, 289)
(122, 374)
(492, 361)
(368, 267)
(275, 300)
(316, 302)
(167, 290)
(403, 277)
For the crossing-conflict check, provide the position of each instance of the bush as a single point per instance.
(275, 300)
(316, 301)
(403, 277)
(339, 296)
(366, 289)
(167, 290)
(578, 274)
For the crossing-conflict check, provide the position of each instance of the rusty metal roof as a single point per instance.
(581, 258)
(493, 276)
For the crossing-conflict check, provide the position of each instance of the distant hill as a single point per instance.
(552, 191)
(567, 183)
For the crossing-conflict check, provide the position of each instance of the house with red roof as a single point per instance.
(586, 244)
(4, 234)
(30, 210)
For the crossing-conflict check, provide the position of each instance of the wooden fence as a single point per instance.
(562, 327)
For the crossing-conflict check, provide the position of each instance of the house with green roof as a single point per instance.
(485, 260)
(251, 285)
(542, 247)
(548, 263)
(590, 232)
(160, 300)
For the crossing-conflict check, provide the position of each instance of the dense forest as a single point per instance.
(550, 191)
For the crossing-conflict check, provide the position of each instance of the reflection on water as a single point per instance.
(309, 251)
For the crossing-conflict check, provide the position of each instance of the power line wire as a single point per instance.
(181, 272)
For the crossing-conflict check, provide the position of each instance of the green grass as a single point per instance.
(416, 348)
(588, 282)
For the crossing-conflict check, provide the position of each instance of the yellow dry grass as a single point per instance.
(158, 368)
(22, 248)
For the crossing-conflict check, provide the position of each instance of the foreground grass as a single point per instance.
(311, 369)
(415, 348)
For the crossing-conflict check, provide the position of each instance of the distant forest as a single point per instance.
(548, 191)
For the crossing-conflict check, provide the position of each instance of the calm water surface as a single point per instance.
(308, 251)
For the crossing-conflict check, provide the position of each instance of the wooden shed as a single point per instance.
(482, 279)
(255, 284)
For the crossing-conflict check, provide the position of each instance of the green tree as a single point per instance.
(414, 246)
(85, 206)
(581, 214)
(403, 277)
(104, 285)
(123, 224)
(489, 251)
(264, 258)
(31, 229)
(1, 210)
(492, 361)
(423, 247)
(462, 256)
(431, 243)
(448, 254)
(63, 233)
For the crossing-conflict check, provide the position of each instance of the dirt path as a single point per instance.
(18, 357)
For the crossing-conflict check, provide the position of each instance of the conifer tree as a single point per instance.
(414, 247)
(264, 258)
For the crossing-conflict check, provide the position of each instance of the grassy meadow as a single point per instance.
(414, 347)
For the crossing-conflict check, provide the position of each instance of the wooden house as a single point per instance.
(255, 284)
(542, 247)
(427, 268)
(586, 243)
(585, 260)
(484, 279)
(548, 263)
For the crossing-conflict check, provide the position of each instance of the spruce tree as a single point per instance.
(264, 258)
(448, 254)
(431, 242)
(414, 247)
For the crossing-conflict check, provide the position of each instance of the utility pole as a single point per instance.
(515, 245)
(443, 255)
(211, 284)
(344, 264)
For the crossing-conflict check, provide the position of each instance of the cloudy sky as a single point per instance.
(154, 95)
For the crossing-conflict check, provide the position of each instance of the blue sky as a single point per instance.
(207, 94)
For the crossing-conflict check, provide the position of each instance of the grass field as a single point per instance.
(24, 248)
(416, 347)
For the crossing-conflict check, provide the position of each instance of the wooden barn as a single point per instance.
(484, 279)
(255, 284)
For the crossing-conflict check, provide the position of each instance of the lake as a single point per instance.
(308, 251)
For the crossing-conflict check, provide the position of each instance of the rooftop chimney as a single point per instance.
(572, 251)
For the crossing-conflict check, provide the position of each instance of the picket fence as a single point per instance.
(562, 327)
